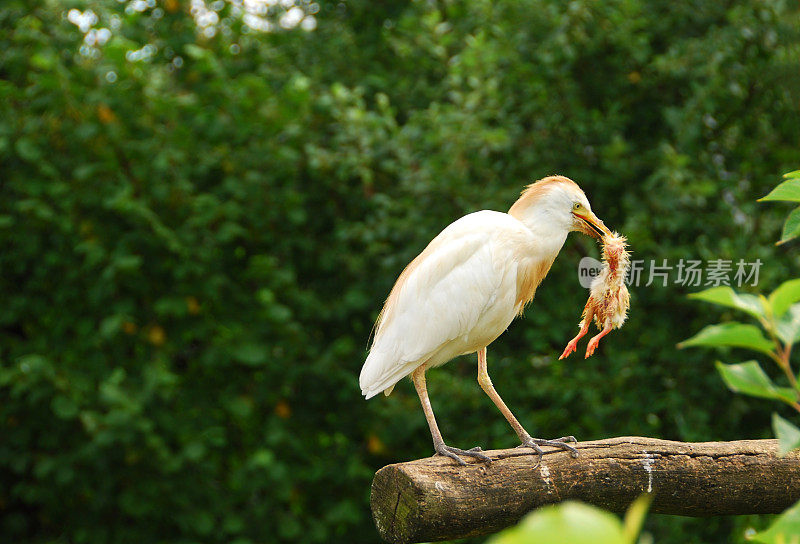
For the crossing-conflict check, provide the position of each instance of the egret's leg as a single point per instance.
(595, 341)
(486, 384)
(418, 377)
(574, 342)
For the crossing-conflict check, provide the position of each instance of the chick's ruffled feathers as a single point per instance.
(609, 299)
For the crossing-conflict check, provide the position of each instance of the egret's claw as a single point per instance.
(557, 443)
(453, 453)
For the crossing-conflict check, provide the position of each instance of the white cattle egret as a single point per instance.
(464, 290)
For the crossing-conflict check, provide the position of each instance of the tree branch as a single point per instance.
(434, 499)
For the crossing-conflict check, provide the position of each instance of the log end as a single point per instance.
(395, 504)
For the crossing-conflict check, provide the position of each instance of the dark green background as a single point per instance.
(192, 255)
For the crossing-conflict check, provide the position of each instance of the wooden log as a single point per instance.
(435, 499)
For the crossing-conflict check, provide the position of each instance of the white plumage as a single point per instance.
(459, 297)
(465, 289)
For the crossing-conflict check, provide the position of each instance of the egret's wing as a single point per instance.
(439, 297)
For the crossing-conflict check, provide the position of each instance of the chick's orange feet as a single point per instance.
(573, 344)
(595, 341)
(591, 346)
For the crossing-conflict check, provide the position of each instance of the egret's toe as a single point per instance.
(455, 453)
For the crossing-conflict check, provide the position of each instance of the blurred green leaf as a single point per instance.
(725, 296)
(262, 458)
(793, 174)
(784, 296)
(250, 354)
(570, 521)
(730, 335)
(788, 434)
(788, 327)
(111, 325)
(788, 191)
(27, 149)
(749, 379)
(64, 407)
(195, 51)
(635, 516)
(784, 530)
(791, 228)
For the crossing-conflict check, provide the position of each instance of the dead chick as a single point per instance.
(608, 296)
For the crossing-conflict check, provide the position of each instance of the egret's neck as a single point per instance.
(538, 253)
(549, 234)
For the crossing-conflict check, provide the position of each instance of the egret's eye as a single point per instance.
(577, 206)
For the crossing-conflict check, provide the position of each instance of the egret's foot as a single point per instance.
(453, 453)
(556, 443)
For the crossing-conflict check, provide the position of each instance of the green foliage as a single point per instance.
(199, 222)
(788, 434)
(789, 190)
(749, 379)
(576, 523)
(785, 529)
(782, 298)
(779, 315)
(725, 296)
(730, 334)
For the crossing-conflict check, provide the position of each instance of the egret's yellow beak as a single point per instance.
(592, 224)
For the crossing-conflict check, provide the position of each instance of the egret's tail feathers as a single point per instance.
(369, 393)
(378, 376)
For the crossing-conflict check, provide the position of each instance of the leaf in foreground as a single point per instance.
(725, 296)
(634, 517)
(749, 379)
(784, 530)
(784, 296)
(730, 334)
(788, 190)
(791, 228)
(788, 434)
(577, 523)
(570, 521)
(788, 327)
(792, 174)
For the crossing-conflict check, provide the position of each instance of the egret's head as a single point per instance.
(557, 203)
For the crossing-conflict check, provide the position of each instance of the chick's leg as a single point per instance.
(418, 377)
(595, 341)
(573, 344)
(527, 441)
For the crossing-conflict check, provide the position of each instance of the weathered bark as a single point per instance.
(435, 499)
